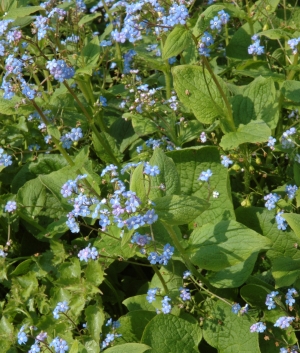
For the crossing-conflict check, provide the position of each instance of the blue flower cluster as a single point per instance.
(164, 143)
(204, 176)
(281, 222)
(258, 327)
(39, 339)
(2, 253)
(226, 161)
(207, 39)
(10, 206)
(88, 253)
(5, 159)
(60, 70)
(185, 294)
(291, 191)
(110, 337)
(271, 200)
(151, 170)
(162, 259)
(22, 337)
(284, 321)
(293, 43)
(134, 23)
(236, 308)
(75, 135)
(59, 345)
(123, 208)
(166, 307)
(255, 48)
(290, 300)
(271, 142)
(151, 294)
(61, 307)
(286, 140)
(140, 240)
(270, 301)
(186, 274)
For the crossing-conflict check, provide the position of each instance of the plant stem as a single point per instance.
(186, 259)
(167, 74)
(229, 123)
(90, 120)
(163, 282)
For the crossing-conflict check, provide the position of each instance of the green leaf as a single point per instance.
(138, 183)
(139, 303)
(228, 332)
(274, 34)
(168, 176)
(293, 220)
(168, 333)
(259, 101)
(91, 52)
(74, 348)
(255, 295)
(8, 106)
(47, 163)
(7, 331)
(153, 61)
(291, 90)
(88, 18)
(254, 132)
(95, 318)
(22, 268)
(233, 276)
(177, 210)
(128, 347)
(142, 125)
(23, 11)
(176, 42)
(100, 151)
(32, 196)
(94, 273)
(190, 162)
(53, 131)
(203, 96)
(134, 323)
(238, 46)
(227, 243)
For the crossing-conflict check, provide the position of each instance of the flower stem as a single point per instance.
(163, 282)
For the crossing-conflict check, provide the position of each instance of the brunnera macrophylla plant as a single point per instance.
(149, 175)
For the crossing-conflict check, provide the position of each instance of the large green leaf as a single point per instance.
(228, 332)
(177, 210)
(259, 101)
(129, 347)
(95, 318)
(197, 90)
(227, 243)
(238, 46)
(291, 90)
(190, 162)
(168, 333)
(254, 132)
(176, 42)
(23, 11)
(32, 196)
(168, 176)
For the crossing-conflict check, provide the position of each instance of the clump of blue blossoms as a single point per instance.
(290, 300)
(59, 345)
(151, 294)
(185, 294)
(110, 337)
(22, 337)
(271, 200)
(284, 322)
(293, 43)
(270, 301)
(281, 222)
(255, 48)
(60, 70)
(286, 140)
(10, 206)
(162, 259)
(291, 191)
(271, 142)
(226, 161)
(151, 170)
(258, 327)
(166, 307)
(88, 253)
(61, 307)
(204, 176)
(186, 274)
(236, 308)
(5, 159)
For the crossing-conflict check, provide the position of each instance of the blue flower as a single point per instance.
(271, 142)
(284, 321)
(151, 295)
(186, 274)
(271, 200)
(269, 300)
(61, 307)
(22, 337)
(290, 300)
(281, 222)
(258, 327)
(291, 191)
(226, 161)
(166, 307)
(236, 308)
(185, 294)
(204, 176)
(152, 171)
(11, 206)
